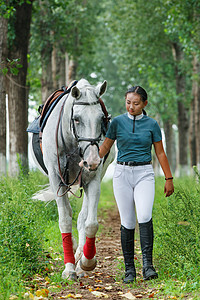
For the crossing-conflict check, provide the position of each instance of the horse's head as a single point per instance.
(86, 120)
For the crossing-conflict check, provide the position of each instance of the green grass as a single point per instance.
(29, 230)
(177, 236)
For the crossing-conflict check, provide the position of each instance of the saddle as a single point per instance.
(37, 126)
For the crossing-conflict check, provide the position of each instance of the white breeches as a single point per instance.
(134, 189)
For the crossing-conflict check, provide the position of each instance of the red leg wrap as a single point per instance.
(68, 248)
(89, 248)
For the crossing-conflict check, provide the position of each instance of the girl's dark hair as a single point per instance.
(138, 90)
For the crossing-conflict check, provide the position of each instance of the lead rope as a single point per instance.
(68, 186)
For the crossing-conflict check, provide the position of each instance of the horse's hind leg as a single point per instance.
(81, 228)
(81, 232)
(65, 225)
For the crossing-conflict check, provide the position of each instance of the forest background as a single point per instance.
(45, 44)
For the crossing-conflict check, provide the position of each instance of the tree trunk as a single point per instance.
(183, 122)
(54, 69)
(47, 81)
(18, 91)
(61, 71)
(58, 68)
(192, 136)
(196, 97)
(72, 71)
(170, 144)
(3, 56)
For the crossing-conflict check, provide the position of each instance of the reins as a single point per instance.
(63, 182)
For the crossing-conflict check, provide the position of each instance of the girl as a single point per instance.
(133, 180)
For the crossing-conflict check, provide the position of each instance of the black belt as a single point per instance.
(133, 163)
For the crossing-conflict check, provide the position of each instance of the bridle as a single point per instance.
(92, 141)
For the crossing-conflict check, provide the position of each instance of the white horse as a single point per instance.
(73, 133)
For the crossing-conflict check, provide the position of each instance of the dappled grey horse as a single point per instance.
(73, 133)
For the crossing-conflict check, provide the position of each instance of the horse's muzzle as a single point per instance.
(91, 167)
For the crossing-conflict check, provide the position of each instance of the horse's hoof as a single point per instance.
(71, 275)
(88, 264)
(80, 272)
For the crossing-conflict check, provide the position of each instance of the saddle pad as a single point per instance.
(34, 127)
(38, 152)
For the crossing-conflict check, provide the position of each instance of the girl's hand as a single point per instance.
(169, 188)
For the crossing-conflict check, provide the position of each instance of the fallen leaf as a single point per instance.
(99, 294)
(138, 296)
(108, 287)
(184, 223)
(13, 297)
(107, 257)
(76, 296)
(128, 295)
(120, 257)
(43, 293)
(151, 295)
(52, 287)
(97, 280)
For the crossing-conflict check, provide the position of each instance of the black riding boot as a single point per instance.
(146, 241)
(127, 241)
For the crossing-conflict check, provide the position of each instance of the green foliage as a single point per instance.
(20, 222)
(6, 9)
(11, 65)
(177, 234)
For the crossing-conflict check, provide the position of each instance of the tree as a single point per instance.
(142, 53)
(3, 56)
(16, 85)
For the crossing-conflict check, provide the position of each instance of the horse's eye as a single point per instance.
(76, 120)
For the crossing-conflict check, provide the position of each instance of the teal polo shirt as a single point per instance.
(134, 146)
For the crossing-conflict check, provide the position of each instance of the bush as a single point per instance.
(21, 230)
(177, 235)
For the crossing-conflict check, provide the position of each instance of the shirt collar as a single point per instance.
(136, 117)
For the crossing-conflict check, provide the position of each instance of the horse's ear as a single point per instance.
(101, 88)
(75, 92)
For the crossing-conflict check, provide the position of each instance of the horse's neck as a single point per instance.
(66, 121)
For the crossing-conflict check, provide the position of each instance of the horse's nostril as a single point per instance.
(85, 163)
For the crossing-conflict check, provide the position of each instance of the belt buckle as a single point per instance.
(130, 163)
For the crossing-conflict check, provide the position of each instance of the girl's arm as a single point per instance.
(105, 147)
(162, 158)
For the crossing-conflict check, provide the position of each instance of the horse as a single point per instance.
(73, 134)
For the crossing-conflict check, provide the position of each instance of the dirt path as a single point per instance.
(106, 280)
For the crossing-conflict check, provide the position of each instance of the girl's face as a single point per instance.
(134, 104)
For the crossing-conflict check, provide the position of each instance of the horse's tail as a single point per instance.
(47, 195)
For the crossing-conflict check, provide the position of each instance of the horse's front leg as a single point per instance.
(92, 190)
(65, 225)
